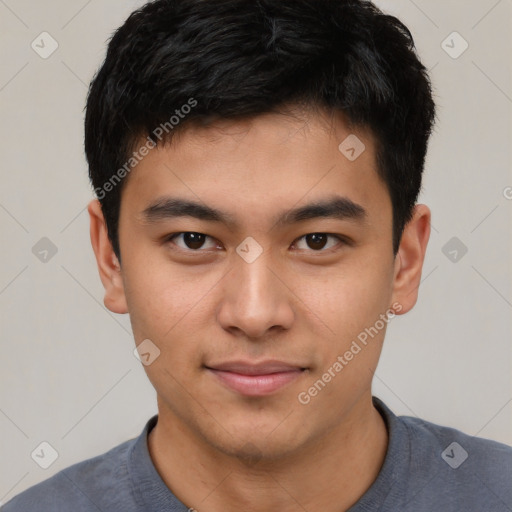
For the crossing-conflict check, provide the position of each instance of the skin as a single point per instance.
(215, 449)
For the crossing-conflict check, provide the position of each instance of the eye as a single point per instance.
(190, 240)
(318, 241)
(193, 241)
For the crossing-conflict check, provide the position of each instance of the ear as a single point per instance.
(409, 259)
(108, 264)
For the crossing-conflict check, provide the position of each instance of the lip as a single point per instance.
(259, 379)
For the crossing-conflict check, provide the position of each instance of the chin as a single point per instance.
(252, 446)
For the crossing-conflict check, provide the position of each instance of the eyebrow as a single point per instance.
(335, 207)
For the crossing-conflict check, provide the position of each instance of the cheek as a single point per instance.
(350, 340)
(351, 298)
(154, 304)
(350, 328)
(169, 307)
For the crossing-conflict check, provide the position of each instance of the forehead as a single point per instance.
(261, 165)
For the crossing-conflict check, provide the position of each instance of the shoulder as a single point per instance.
(458, 468)
(95, 484)
(489, 454)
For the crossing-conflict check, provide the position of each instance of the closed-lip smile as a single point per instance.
(256, 379)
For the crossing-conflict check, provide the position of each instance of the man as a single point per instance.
(257, 165)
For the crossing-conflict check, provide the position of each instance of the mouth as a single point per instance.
(260, 379)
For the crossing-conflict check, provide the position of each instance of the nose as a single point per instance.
(254, 300)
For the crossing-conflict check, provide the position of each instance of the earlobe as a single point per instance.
(410, 257)
(109, 267)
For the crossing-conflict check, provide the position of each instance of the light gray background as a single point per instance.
(69, 376)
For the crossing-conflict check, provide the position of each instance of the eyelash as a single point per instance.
(341, 239)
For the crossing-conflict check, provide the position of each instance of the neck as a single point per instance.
(330, 474)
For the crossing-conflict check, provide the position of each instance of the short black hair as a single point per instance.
(177, 62)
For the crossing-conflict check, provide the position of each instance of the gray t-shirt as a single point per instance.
(427, 468)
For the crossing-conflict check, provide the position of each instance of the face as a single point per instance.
(255, 281)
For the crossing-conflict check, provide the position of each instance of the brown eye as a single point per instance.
(190, 240)
(318, 241)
